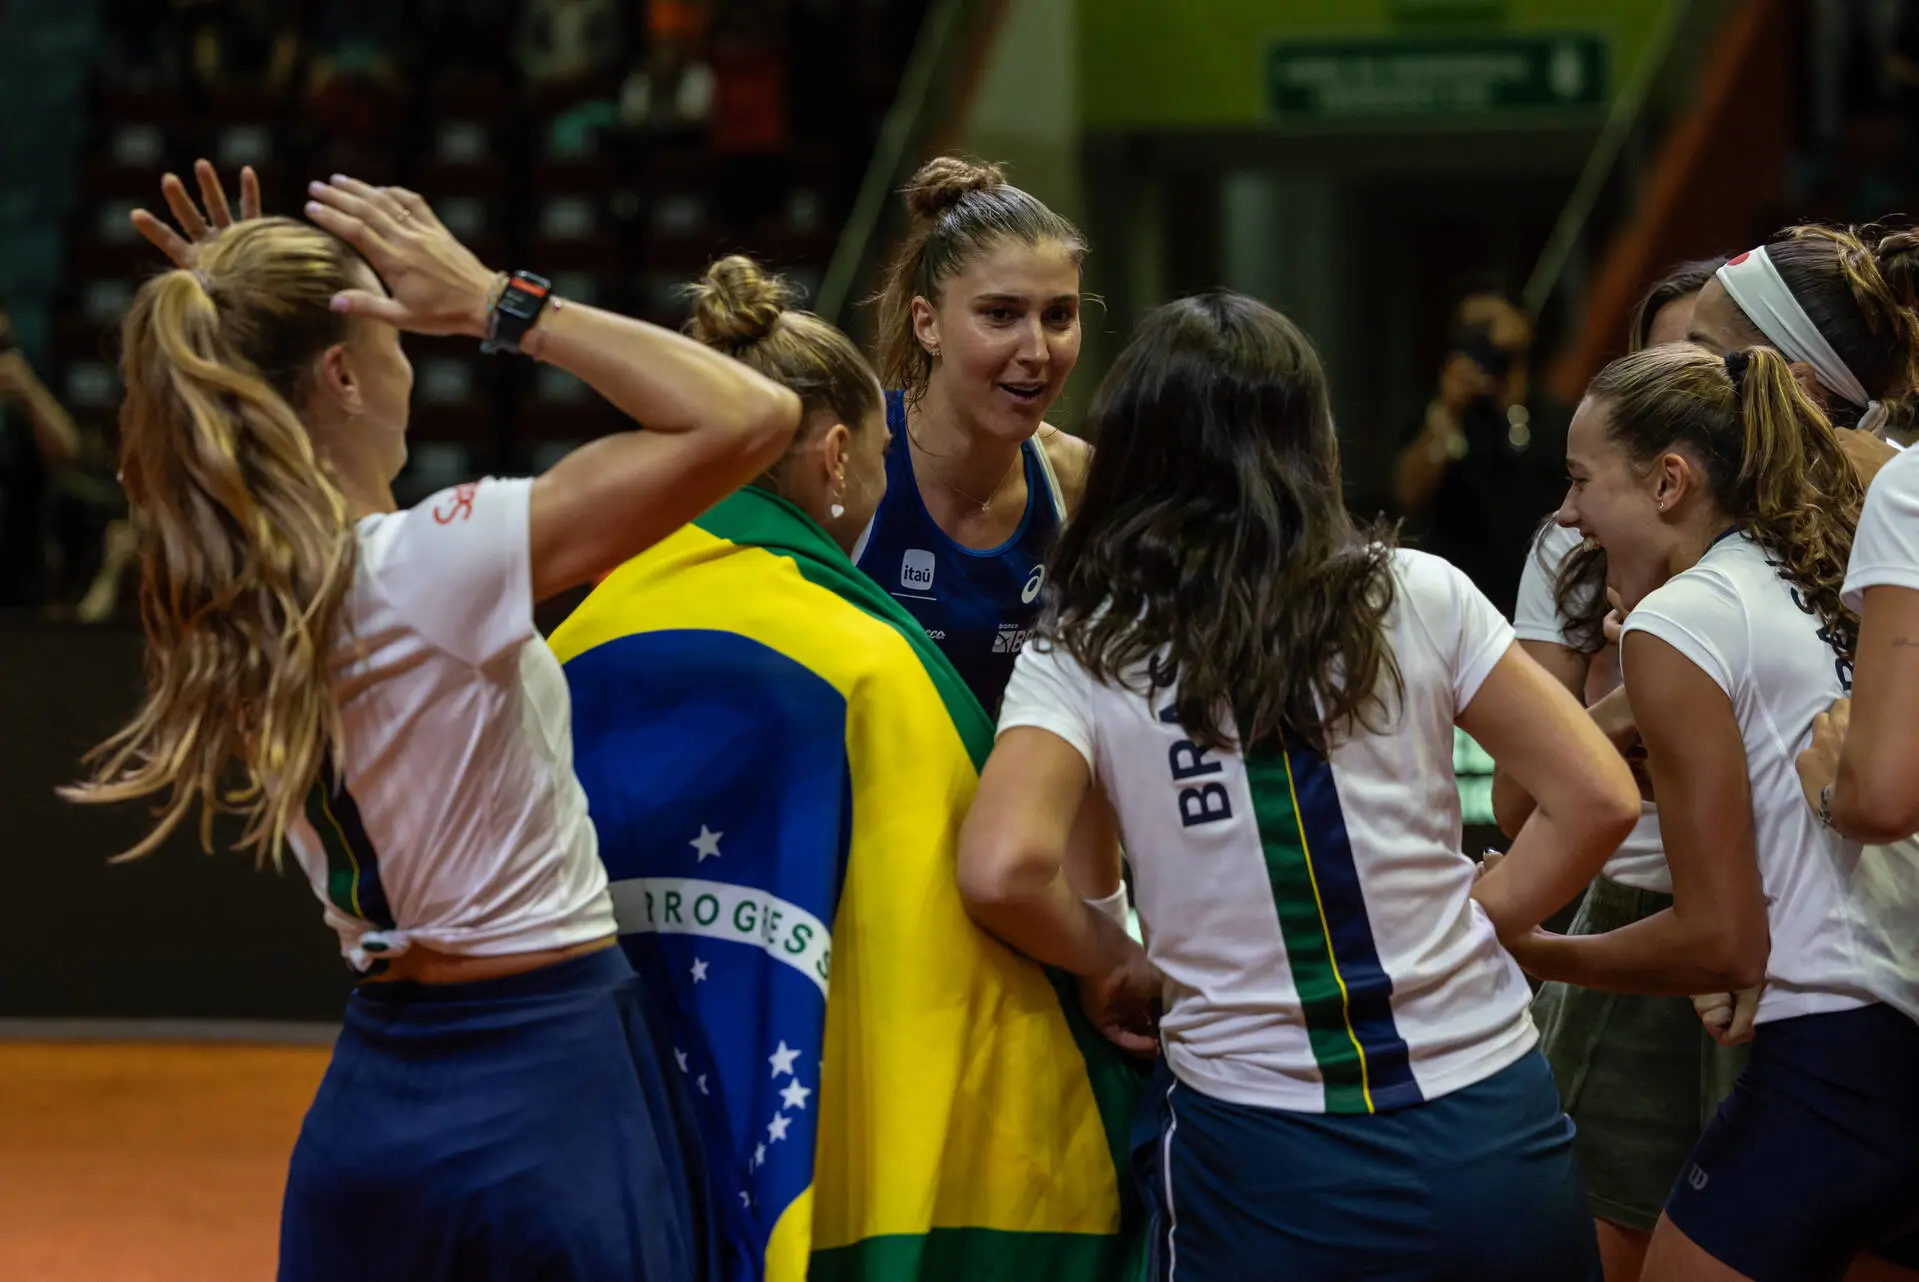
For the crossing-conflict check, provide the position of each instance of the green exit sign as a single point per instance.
(1466, 75)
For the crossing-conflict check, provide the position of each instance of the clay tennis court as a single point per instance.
(145, 1162)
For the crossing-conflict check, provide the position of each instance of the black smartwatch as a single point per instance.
(514, 312)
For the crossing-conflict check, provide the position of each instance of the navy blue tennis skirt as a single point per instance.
(514, 1128)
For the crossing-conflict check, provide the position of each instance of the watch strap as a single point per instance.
(513, 313)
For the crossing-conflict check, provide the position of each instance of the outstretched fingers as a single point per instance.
(185, 212)
(213, 194)
(163, 238)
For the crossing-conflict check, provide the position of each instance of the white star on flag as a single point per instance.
(679, 1057)
(776, 1129)
(707, 844)
(759, 1155)
(782, 1060)
(795, 1094)
(699, 971)
(744, 1199)
(702, 1084)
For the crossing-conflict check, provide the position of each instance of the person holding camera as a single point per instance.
(1480, 464)
(37, 439)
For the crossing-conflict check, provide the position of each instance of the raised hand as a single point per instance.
(435, 284)
(199, 228)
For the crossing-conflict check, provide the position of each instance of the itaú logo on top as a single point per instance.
(916, 570)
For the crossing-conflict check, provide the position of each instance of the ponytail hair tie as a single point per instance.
(1736, 363)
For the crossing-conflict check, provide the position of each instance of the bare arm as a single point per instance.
(55, 437)
(1092, 850)
(1714, 938)
(1512, 804)
(1587, 804)
(711, 423)
(1014, 848)
(1031, 810)
(1867, 748)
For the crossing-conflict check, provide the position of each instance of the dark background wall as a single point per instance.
(178, 934)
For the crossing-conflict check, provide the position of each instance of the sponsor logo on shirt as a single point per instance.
(1010, 640)
(936, 634)
(1034, 582)
(458, 505)
(916, 570)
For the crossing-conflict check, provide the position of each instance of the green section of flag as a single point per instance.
(1302, 926)
(979, 1255)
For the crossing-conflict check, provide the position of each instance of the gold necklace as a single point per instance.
(991, 494)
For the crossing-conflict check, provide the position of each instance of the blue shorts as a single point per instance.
(1476, 1186)
(1815, 1154)
(506, 1129)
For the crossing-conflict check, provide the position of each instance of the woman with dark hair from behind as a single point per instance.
(1261, 697)
(1639, 1076)
(1726, 508)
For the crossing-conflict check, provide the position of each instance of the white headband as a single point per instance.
(1762, 294)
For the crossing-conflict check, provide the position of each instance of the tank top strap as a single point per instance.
(1052, 478)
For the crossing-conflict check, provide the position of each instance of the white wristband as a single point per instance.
(1115, 906)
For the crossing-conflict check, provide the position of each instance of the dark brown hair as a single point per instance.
(1212, 549)
(1770, 457)
(1579, 581)
(246, 549)
(1858, 286)
(960, 208)
(741, 310)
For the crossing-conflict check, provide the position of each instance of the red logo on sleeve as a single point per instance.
(457, 506)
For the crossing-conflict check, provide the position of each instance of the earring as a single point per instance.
(838, 509)
(933, 351)
(1662, 505)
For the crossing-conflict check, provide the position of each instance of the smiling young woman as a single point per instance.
(979, 328)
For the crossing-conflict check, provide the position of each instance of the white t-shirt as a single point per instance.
(1640, 861)
(461, 823)
(1314, 919)
(1885, 552)
(1840, 914)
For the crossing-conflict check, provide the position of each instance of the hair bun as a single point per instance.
(1897, 255)
(736, 303)
(944, 181)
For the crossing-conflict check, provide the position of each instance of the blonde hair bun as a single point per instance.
(736, 303)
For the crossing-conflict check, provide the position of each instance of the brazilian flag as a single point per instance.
(778, 762)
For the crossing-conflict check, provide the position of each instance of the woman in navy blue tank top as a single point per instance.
(979, 327)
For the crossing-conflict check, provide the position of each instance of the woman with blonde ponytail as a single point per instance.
(1727, 508)
(366, 685)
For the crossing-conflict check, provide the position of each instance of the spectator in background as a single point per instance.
(569, 42)
(751, 124)
(674, 88)
(1484, 460)
(353, 73)
(238, 44)
(37, 439)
